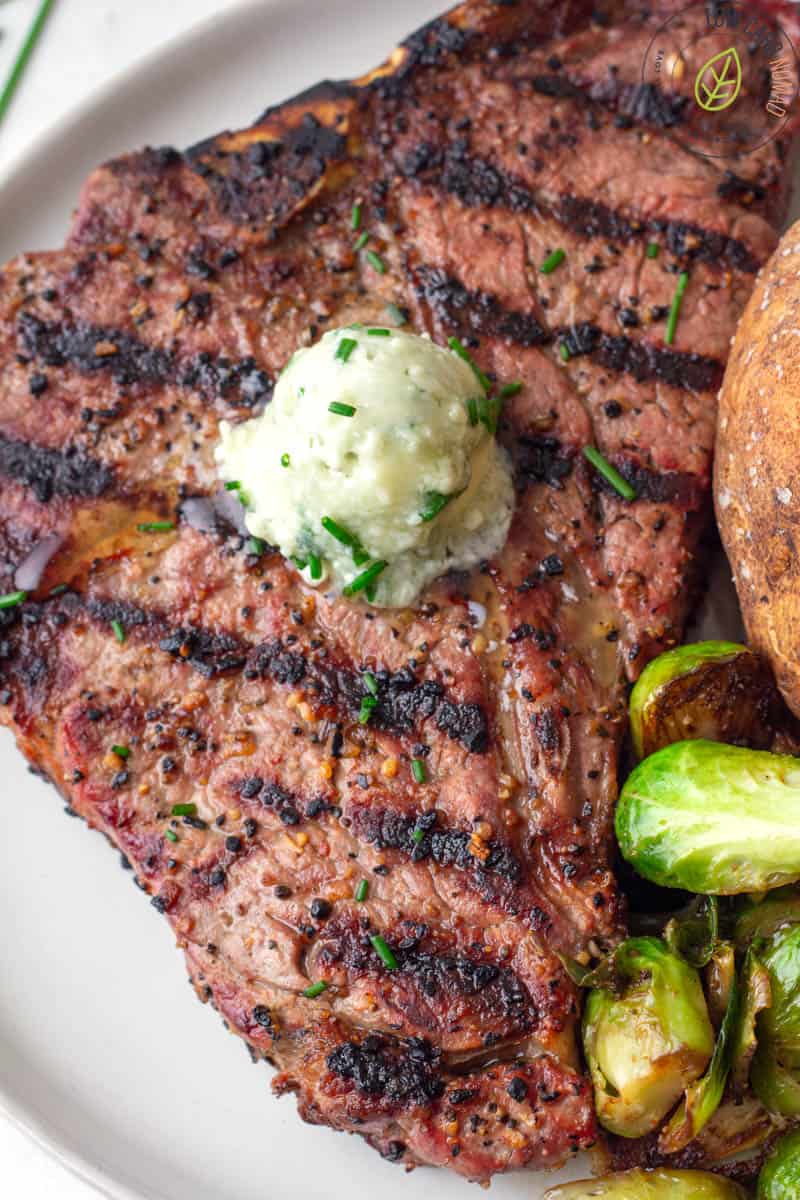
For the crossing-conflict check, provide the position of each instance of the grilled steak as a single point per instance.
(243, 790)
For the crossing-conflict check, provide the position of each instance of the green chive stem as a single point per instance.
(119, 631)
(418, 770)
(675, 309)
(337, 408)
(461, 350)
(384, 953)
(552, 261)
(12, 599)
(344, 349)
(170, 835)
(156, 526)
(121, 751)
(370, 683)
(361, 241)
(315, 989)
(355, 217)
(652, 250)
(365, 578)
(338, 531)
(609, 473)
(285, 460)
(362, 891)
(21, 62)
(376, 262)
(184, 810)
(315, 566)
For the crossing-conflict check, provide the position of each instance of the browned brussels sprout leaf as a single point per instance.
(755, 996)
(693, 933)
(781, 908)
(719, 977)
(720, 691)
(702, 1097)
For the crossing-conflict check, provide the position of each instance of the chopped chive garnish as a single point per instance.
(362, 891)
(460, 349)
(31, 38)
(360, 555)
(315, 566)
(472, 410)
(368, 703)
(285, 460)
(316, 989)
(674, 311)
(418, 770)
(652, 250)
(361, 241)
(119, 631)
(155, 526)
(343, 351)
(417, 835)
(12, 599)
(300, 563)
(337, 531)
(563, 350)
(376, 262)
(434, 503)
(609, 473)
(365, 578)
(397, 314)
(370, 591)
(379, 332)
(58, 590)
(184, 810)
(510, 389)
(370, 683)
(552, 261)
(121, 751)
(487, 413)
(383, 952)
(256, 546)
(170, 835)
(232, 485)
(355, 217)
(341, 410)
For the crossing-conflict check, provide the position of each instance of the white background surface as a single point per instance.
(85, 43)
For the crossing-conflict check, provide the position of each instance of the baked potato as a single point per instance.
(757, 465)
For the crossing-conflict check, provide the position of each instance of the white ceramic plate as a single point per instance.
(106, 1058)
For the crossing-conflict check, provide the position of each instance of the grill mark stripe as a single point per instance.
(48, 472)
(59, 344)
(403, 700)
(481, 312)
(478, 183)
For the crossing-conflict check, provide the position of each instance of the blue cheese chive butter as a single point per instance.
(375, 468)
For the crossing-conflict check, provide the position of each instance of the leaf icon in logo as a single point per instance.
(719, 81)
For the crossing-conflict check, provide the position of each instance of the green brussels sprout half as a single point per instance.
(647, 1038)
(780, 1175)
(711, 818)
(715, 690)
(775, 1071)
(652, 1185)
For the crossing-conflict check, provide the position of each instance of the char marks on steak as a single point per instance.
(495, 135)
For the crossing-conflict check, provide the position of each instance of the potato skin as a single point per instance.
(757, 465)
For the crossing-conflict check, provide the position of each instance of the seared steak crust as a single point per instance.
(252, 803)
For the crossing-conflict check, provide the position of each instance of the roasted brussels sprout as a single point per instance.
(712, 818)
(715, 690)
(653, 1185)
(775, 1070)
(647, 1037)
(780, 1175)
